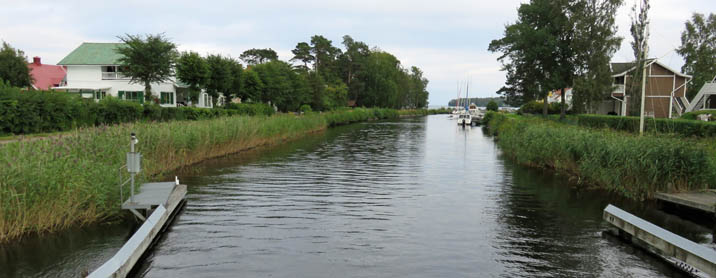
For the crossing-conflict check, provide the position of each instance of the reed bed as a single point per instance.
(633, 166)
(52, 184)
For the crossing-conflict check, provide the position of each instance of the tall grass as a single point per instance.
(633, 166)
(52, 184)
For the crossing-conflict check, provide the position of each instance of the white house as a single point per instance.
(93, 70)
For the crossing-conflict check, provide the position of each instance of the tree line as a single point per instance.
(558, 44)
(319, 74)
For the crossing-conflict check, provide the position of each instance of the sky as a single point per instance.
(447, 39)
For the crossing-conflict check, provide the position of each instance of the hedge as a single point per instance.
(24, 112)
(631, 124)
(692, 115)
(535, 107)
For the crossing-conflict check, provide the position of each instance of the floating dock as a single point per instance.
(696, 260)
(701, 200)
(159, 201)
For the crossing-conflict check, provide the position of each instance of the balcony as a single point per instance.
(114, 76)
(618, 90)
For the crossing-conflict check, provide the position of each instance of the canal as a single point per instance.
(416, 197)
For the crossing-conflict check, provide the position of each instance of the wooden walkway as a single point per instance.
(693, 258)
(162, 200)
(702, 200)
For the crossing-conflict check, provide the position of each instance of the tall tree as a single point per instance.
(13, 67)
(302, 53)
(325, 55)
(350, 62)
(193, 70)
(595, 42)
(536, 49)
(256, 56)
(237, 72)
(251, 86)
(640, 34)
(698, 48)
(148, 59)
(220, 76)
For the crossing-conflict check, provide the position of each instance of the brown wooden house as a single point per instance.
(665, 90)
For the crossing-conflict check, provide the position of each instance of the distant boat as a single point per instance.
(476, 114)
(464, 118)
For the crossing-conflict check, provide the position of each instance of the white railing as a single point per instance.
(113, 76)
(619, 89)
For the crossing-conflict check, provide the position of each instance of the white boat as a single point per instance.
(464, 119)
(476, 114)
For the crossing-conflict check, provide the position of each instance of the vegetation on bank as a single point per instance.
(25, 112)
(688, 128)
(628, 164)
(52, 184)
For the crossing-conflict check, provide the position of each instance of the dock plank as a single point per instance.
(701, 200)
(152, 195)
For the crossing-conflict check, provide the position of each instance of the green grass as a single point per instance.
(59, 182)
(622, 162)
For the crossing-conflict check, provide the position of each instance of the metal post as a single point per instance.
(643, 99)
(131, 174)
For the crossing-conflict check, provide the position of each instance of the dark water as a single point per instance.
(417, 197)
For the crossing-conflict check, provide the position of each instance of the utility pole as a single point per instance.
(643, 91)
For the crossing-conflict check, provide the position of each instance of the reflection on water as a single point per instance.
(417, 197)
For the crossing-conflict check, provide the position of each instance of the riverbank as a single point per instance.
(635, 167)
(60, 182)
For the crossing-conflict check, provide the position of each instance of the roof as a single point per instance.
(619, 69)
(46, 76)
(92, 53)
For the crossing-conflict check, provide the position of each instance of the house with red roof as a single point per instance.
(45, 76)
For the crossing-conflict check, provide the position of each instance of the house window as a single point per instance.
(167, 98)
(206, 100)
(136, 96)
(98, 95)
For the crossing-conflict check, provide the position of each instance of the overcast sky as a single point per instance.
(448, 39)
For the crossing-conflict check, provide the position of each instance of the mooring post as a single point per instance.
(133, 164)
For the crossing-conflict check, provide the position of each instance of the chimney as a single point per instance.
(36, 60)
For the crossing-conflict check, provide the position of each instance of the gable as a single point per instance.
(93, 54)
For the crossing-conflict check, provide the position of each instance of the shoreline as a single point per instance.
(79, 171)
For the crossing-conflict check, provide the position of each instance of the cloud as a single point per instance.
(447, 39)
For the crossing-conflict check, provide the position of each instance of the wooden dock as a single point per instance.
(159, 201)
(693, 258)
(701, 200)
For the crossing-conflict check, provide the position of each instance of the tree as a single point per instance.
(537, 50)
(13, 67)
(557, 45)
(492, 106)
(251, 86)
(237, 72)
(193, 70)
(351, 62)
(640, 34)
(220, 76)
(698, 48)
(302, 53)
(325, 55)
(594, 43)
(148, 59)
(282, 85)
(258, 56)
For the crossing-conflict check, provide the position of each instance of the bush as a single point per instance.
(535, 107)
(631, 124)
(305, 108)
(492, 106)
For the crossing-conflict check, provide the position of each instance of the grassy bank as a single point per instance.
(52, 184)
(622, 162)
